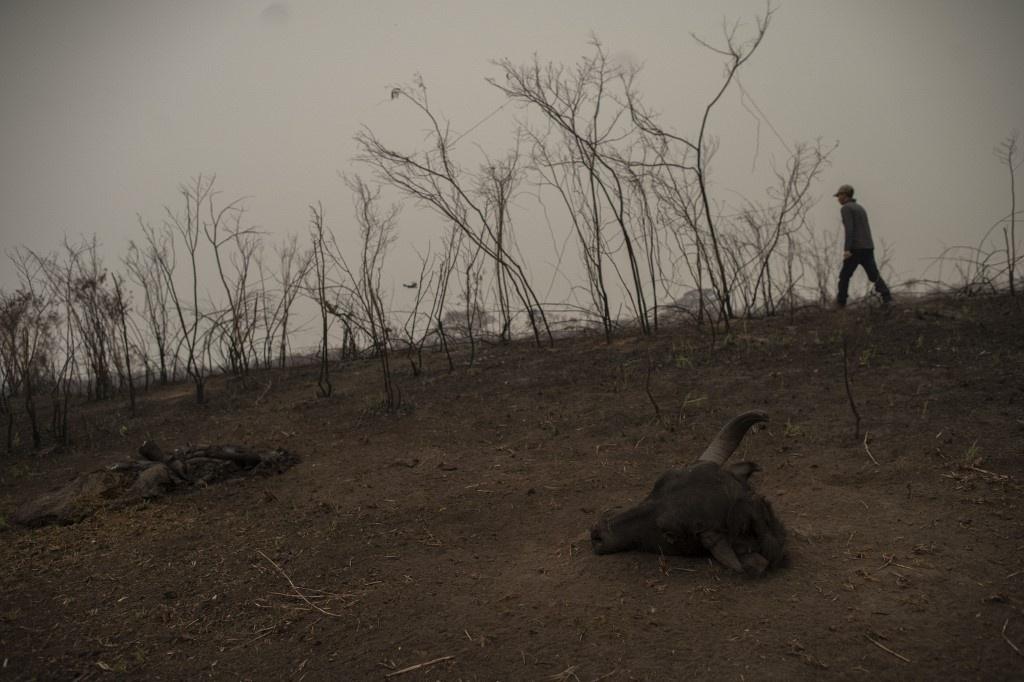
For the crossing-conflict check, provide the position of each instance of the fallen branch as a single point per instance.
(887, 649)
(418, 666)
(868, 450)
(295, 587)
(154, 474)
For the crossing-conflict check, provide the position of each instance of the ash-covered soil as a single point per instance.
(453, 536)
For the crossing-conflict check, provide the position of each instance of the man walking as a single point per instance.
(858, 248)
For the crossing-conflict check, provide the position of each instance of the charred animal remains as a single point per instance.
(707, 507)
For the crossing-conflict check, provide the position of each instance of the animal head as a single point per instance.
(707, 506)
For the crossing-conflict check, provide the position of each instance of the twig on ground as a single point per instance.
(262, 633)
(868, 450)
(349, 601)
(563, 676)
(647, 389)
(998, 477)
(264, 392)
(1007, 639)
(418, 666)
(295, 587)
(849, 391)
(887, 649)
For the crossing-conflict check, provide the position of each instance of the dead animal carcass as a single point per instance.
(705, 507)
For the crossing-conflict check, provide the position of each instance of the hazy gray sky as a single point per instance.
(107, 105)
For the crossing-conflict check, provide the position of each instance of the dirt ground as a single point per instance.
(452, 536)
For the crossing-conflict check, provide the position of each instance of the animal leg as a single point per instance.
(719, 546)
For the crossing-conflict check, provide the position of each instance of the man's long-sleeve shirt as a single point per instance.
(855, 223)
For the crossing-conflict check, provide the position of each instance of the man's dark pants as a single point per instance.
(866, 258)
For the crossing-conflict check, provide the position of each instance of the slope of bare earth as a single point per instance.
(452, 537)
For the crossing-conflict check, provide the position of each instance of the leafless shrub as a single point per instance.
(984, 267)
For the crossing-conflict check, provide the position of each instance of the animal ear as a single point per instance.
(743, 470)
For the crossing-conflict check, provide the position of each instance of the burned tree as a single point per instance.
(143, 268)
(194, 331)
(28, 325)
(686, 159)
(434, 179)
(319, 289)
(79, 280)
(588, 169)
(121, 309)
(764, 251)
(1009, 153)
(224, 229)
(377, 227)
(293, 266)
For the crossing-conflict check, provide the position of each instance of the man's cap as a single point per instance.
(844, 189)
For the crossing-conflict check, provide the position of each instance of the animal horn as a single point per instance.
(728, 439)
(720, 548)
